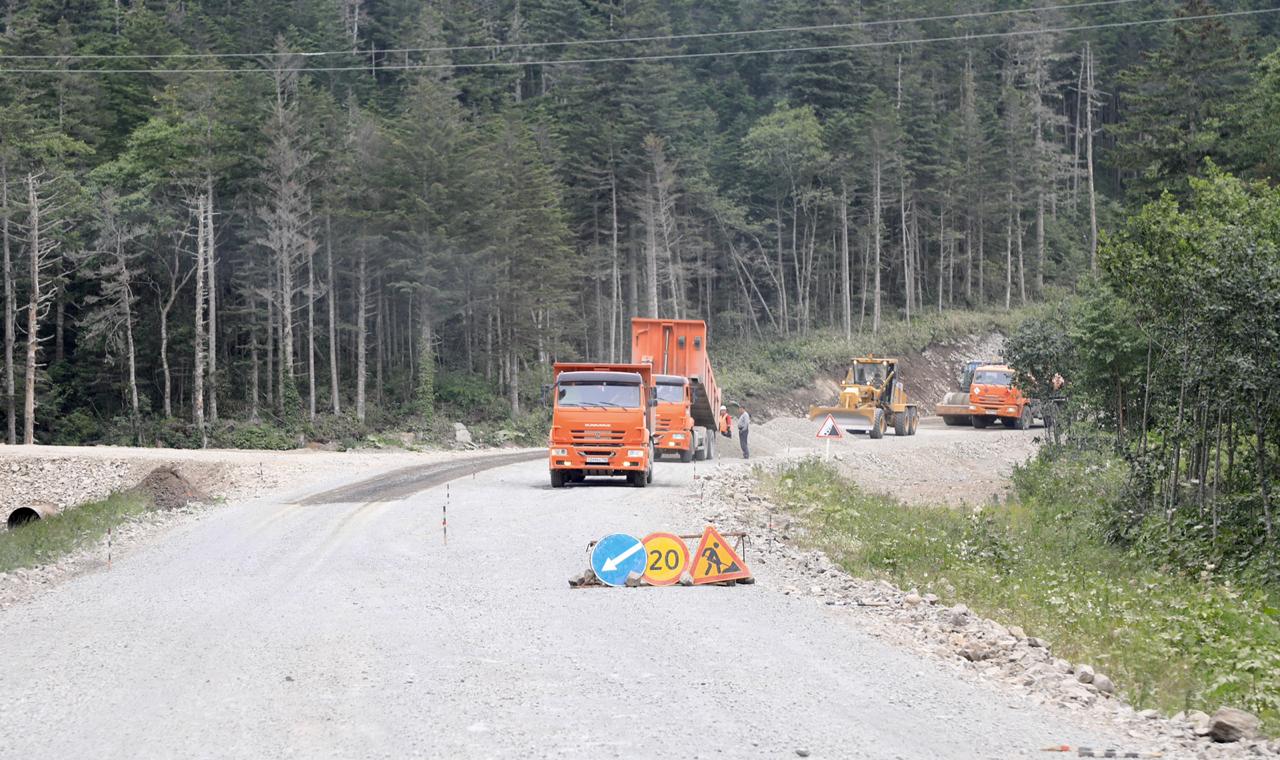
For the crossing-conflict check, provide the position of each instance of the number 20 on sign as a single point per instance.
(666, 558)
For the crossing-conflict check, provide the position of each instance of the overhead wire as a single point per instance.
(407, 66)
(505, 46)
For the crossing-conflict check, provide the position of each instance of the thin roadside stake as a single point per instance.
(444, 515)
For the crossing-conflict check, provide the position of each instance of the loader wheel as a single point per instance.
(901, 423)
(915, 422)
(557, 479)
(1024, 419)
(980, 421)
(877, 425)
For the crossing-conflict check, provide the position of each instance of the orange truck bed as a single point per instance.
(686, 417)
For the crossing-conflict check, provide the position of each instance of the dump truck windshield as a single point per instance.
(993, 377)
(598, 394)
(670, 394)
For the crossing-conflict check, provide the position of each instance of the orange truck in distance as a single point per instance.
(993, 396)
(601, 422)
(686, 416)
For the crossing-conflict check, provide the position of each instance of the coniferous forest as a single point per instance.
(338, 212)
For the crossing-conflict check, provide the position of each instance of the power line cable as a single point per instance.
(663, 57)
(499, 46)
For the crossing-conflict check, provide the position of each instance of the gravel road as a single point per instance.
(938, 465)
(278, 629)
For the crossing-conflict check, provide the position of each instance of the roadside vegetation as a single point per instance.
(50, 539)
(1174, 639)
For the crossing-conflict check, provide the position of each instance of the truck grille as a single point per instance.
(598, 437)
(990, 399)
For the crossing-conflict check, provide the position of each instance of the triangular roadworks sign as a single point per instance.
(716, 561)
(830, 429)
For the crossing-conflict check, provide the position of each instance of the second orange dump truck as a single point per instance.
(988, 394)
(688, 400)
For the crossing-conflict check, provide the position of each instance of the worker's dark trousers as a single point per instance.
(742, 440)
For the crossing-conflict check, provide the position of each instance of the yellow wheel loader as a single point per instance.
(872, 399)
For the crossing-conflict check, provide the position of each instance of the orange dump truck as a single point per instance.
(993, 396)
(601, 422)
(688, 398)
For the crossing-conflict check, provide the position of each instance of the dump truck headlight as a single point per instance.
(559, 452)
(677, 436)
(635, 453)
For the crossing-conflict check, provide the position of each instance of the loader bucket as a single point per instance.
(856, 420)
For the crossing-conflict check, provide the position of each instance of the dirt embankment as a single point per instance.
(929, 375)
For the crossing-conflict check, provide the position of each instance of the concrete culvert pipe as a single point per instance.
(23, 515)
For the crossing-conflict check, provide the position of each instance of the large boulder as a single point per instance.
(461, 434)
(1231, 725)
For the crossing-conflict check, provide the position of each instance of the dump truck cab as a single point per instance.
(673, 422)
(872, 398)
(954, 408)
(994, 395)
(601, 423)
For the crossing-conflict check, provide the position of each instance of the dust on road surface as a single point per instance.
(352, 630)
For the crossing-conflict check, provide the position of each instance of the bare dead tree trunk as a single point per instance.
(271, 338)
(198, 370)
(615, 311)
(362, 313)
(1022, 269)
(846, 283)
(1088, 152)
(942, 252)
(33, 311)
(11, 430)
(875, 236)
(126, 313)
(1008, 254)
(165, 308)
(333, 321)
(651, 252)
(211, 251)
(253, 357)
(311, 335)
(907, 275)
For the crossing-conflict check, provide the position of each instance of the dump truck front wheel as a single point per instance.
(980, 421)
(1024, 419)
(686, 455)
(557, 479)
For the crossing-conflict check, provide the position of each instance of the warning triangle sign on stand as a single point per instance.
(716, 561)
(830, 429)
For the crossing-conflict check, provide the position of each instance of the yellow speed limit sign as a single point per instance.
(666, 558)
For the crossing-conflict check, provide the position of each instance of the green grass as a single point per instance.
(1170, 641)
(48, 540)
(761, 369)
